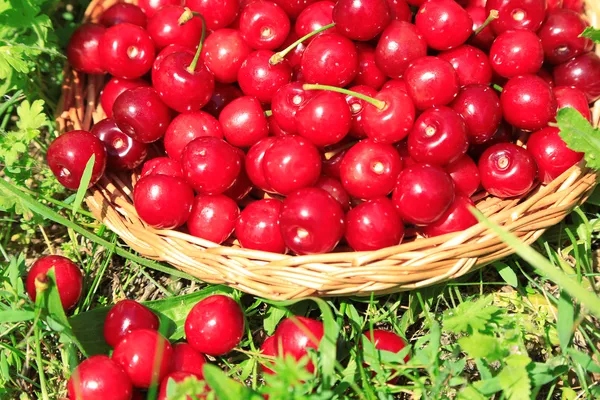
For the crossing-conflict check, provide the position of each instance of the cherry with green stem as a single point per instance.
(493, 16)
(280, 55)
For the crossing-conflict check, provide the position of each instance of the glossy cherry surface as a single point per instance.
(332, 162)
(567, 96)
(312, 221)
(294, 57)
(330, 59)
(187, 359)
(423, 193)
(471, 65)
(114, 88)
(213, 217)
(582, 72)
(145, 355)
(431, 82)
(258, 226)
(465, 174)
(68, 155)
(313, 17)
(373, 225)
(244, 122)
(162, 166)
(528, 102)
(392, 123)
(517, 14)
(122, 152)
(325, 119)
(179, 377)
(254, 163)
(99, 378)
(150, 7)
(295, 334)
(141, 114)
(357, 107)
(368, 73)
(439, 137)
(504, 134)
(551, 154)
(258, 77)
(444, 24)
(486, 36)
(399, 44)
(387, 341)
(69, 280)
(286, 103)
(361, 19)
(222, 95)
(123, 13)
(400, 10)
(516, 53)
(165, 28)
(268, 349)
(223, 53)
(507, 170)
(479, 106)
(215, 325)
(242, 185)
(293, 8)
(291, 163)
(457, 218)
(83, 50)
(127, 51)
(264, 24)
(189, 126)
(217, 13)
(167, 51)
(127, 316)
(163, 201)
(575, 5)
(210, 165)
(335, 188)
(560, 36)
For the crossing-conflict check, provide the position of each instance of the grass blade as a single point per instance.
(84, 184)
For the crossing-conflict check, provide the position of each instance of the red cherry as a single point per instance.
(264, 25)
(295, 334)
(444, 24)
(145, 355)
(122, 152)
(254, 163)
(258, 77)
(162, 166)
(400, 10)
(294, 57)
(373, 225)
(575, 5)
(457, 218)
(99, 378)
(516, 53)
(83, 50)
(423, 194)
(330, 59)
(186, 359)
(127, 316)
(369, 73)
(222, 95)
(242, 185)
(210, 165)
(163, 201)
(546, 75)
(528, 102)
(554, 4)
(387, 341)
(332, 163)
(312, 221)
(335, 188)
(560, 36)
(69, 280)
(291, 163)
(127, 51)
(431, 82)
(325, 119)
(244, 122)
(189, 126)
(465, 174)
(288, 100)
(213, 217)
(165, 28)
(274, 128)
(293, 8)
(258, 226)
(402, 149)
(68, 154)
(395, 83)
(551, 154)
(223, 53)
(517, 14)
(217, 13)
(314, 17)
(150, 7)
(567, 96)
(507, 170)
(357, 106)
(215, 325)
(503, 134)
(141, 114)
(179, 377)
(479, 106)
(399, 45)
(123, 13)
(484, 38)
(167, 51)
(391, 123)
(114, 88)
(268, 349)
(471, 65)
(583, 73)
(362, 19)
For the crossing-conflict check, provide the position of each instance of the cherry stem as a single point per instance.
(192, 68)
(493, 15)
(279, 56)
(376, 103)
(498, 88)
(185, 16)
(268, 113)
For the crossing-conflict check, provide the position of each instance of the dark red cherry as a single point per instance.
(369, 73)
(68, 155)
(391, 123)
(582, 72)
(99, 378)
(575, 5)
(258, 77)
(332, 162)
(162, 166)
(215, 325)
(560, 36)
(180, 377)
(387, 341)
(217, 13)
(567, 96)
(114, 88)
(546, 75)
(503, 134)
(373, 225)
(465, 174)
(517, 14)
(264, 24)
(189, 126)
(516, 53)
(482, 39)
(399, 44)
(127, 316)
(167, 51)
(479, 106)
(127, 51)
(288, 100)
(163, 201)
(457, 218)
(295, 334)
(254, 163)
(167, 27)
(274, 128)
(69, 279)
(471, 65)
(335, 188)
(223, 53)
(222, 95)
(369, 169)
(293, 8)
(444, 24)
(244, 122)
(554, 4)
(291, 163)
(431, 82)
(83, 50)
(400, 10)
(141, 114)
(187, 359)
(268, 349)
(213, 217)
(150, 7)
(528, 102)
(423, 193)
(258, 228)
(361, 19)
(242, 185)
(210, 165)
(325, 118)
(330, 59)
(145, 355)
(123, 13)
(402, 149)
(357, 106)
(507, 170)
(122, 152)
(551, 154)
(439, 137)
(314, 17)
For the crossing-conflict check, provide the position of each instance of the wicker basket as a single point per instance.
(415, 264)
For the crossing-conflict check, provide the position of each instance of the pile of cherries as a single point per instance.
(329, 121)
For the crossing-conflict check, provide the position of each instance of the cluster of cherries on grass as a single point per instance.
(347, 119)
(142, 357)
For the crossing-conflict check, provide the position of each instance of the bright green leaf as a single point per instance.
(514, 379)
(579, 135)
(84, 183)
(507, 273)
(565, 320)
(471, 316)
(592, 33)
(478, 345)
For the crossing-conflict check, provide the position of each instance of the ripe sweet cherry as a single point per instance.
(465, 174)
(361, 19)
(83, 50)
(141, 114)
(444, 24)
(127, 51)
(187, 359)
(223, 53)
(400, 44)
(295, 334)
(431, 82)
(213, 217)
(123, 13)
(528, 102)
(189, 126)
(162, 166)
(122, 152)
(175, 25)
(127, 316)
(507, 170)
(373, 225)
(264, 24)
(163, 201)
(69, 280)
(551, 154)
(114, 88)
(258, 228)
(99, 378)
(457, 218)
(244, 122)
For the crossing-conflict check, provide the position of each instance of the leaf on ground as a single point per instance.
(586, 362)
(514, 378)
(591, 33)
(470, 393)
(31, 115)
(543, 373)
(507, 273)
(478, 345)
(224, 387)
(565, 320)
(471, 316)
(12, 316)
(579, 135)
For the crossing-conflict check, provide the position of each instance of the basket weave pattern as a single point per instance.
(415, 264)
